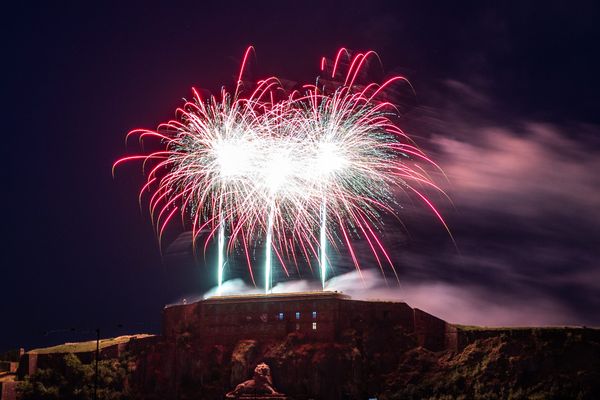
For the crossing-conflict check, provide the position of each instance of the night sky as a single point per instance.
(507, 103)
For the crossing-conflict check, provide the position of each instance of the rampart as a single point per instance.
(320, 316)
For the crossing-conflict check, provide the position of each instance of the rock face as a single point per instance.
(549, 363)
(383, 363)
(243, 356)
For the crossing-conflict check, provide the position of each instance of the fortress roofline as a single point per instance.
(277, 297)
(261, 297)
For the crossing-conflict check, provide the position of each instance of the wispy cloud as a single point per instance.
(533, 171)
(526, 217)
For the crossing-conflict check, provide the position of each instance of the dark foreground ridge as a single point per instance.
(318, 345)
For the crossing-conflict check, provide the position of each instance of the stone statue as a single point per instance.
(261, 384)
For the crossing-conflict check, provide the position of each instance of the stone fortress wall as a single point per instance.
(320, 316)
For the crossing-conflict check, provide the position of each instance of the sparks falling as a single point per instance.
(317, 167)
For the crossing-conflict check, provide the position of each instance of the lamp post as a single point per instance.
(96, 367)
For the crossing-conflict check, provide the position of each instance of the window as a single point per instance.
(297, 327)
(314, 315)
(280, 316)
(297, 314)
(314, 326)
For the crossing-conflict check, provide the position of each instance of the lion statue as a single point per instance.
(261, 383)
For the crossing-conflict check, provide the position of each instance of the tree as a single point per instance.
(74, 380)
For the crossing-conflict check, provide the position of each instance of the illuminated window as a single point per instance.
(297, 315)
(280, 316)
(314, 315)
(314, 326)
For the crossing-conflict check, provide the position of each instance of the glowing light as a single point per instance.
(220, 256)
(323, 243)
(268, 244)
(329, 159)
(276, 171)
(233, 158)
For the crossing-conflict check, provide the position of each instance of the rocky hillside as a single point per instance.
(528, 363)
(532, 363)
(512, 364)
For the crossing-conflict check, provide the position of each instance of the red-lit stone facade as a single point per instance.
(322, 316)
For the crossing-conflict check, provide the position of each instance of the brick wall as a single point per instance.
(27, 365)
(430, 330)
(8, 390)
(322, 316)
(8, 366)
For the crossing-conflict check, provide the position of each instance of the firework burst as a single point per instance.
(297, 174)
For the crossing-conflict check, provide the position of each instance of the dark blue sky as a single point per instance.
(507, 102)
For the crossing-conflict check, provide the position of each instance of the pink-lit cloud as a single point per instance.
(528, 171)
